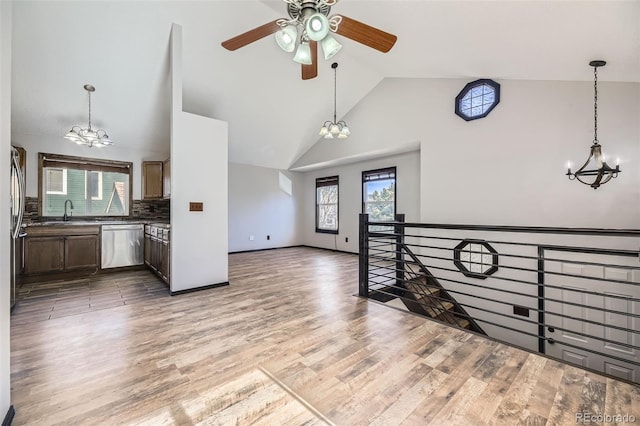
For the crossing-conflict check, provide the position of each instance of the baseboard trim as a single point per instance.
(191, 290)
(286, 247)
(328, 249)
(263, 249)
(9, 417)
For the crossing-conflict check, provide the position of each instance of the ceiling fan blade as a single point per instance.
(366, 34)
(311, 71)
(251, 36)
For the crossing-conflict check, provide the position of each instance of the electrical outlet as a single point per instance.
(268, 237)
(520, 310)
(251, 238)
(346, 239)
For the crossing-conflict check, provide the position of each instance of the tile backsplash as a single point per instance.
(140, 210)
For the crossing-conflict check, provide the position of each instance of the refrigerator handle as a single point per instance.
(21, 189)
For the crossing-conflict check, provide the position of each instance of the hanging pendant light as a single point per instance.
(88, 136)
(334, 129)
(601, 172)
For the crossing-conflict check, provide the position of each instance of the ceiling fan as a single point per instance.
(309, 23)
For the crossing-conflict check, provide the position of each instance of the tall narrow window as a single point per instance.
(379, 194)
(327, 205)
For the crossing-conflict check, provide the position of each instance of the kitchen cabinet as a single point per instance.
(50, 249)
(166, 179)
(157, 250)
(43, 254)
(152, 180)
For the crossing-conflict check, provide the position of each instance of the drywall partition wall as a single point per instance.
(263, 203)
(350, 198)
(5, 220)
(199, 174)
(508, 168)
(199, 239)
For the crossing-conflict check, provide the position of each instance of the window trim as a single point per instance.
(367, 173)
(328, 181)
(99, 197)
(83, 163)
(467, 88)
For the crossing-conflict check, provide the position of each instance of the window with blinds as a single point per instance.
(94, 187)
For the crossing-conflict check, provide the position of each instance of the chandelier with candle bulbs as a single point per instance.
(600, 172)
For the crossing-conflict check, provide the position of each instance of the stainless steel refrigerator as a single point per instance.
(17, 214)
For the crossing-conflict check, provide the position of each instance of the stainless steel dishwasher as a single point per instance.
(122, 245)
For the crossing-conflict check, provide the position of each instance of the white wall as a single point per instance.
(258, 206)
(507, 168)
(58, 145)
(199, 173)
(5, 220)
(350, 198)
(199, 240)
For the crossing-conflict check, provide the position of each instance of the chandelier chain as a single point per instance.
(335, 84)
(595, 104)
(89, 110)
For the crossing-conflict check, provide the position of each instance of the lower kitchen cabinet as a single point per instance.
(157, 250)
(81, 252)
(51, 249)
(43, 254)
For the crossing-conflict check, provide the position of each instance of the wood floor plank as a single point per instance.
(285, 343)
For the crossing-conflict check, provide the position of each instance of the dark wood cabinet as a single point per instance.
(51, 249)
(157, 252)
(81, 252)
(43, 254)
(166, 179)
(152, 180)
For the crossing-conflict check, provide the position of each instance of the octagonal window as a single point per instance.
(477, 99)
(475, 258)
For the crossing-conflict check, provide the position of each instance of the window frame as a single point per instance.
(99, 197)
(328, 181)
(86, 164)
(389, 170)
(467, 88)
(64, 183)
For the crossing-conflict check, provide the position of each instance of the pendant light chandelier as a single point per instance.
(334, 129)
(601, 172)
(88, 136)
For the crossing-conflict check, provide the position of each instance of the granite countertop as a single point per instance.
(77, 222)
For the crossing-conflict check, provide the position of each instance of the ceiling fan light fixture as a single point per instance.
(286, 38)
(330, 46)
(303, 54)
(317, 26)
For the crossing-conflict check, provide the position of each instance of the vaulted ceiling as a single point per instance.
(122, 48)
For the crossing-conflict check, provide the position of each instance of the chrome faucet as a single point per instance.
(66, 216)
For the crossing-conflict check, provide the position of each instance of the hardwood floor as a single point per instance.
(285, 343)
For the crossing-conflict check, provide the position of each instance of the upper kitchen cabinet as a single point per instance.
(152, 180)
(166, 181)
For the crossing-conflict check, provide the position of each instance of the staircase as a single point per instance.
(434, 302)
(421, 293)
